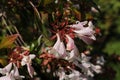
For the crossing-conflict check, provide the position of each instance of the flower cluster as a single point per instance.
(18, 57)
(10, 72)
(62, 27)
(83, 30)
(65, 48)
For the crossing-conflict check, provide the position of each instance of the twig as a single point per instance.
(5, 23)
(36, 11)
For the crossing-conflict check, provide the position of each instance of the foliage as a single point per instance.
(30, 28)
(109, 24)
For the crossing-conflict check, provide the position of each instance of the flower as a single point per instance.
(10, 74)
(84, 33)
(61, 74)
(78, 25)
(27, 60)
(16, 57)
(70, 43)
(20, 56)
(59, 47)
(87, 67)
(6, 69)
(73, 54)
(100, 60)
(75, 75)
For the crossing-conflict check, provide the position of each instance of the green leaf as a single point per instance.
(8, 41)
(47, 41)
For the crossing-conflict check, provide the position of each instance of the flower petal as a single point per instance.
(32, 56)
(24, 60)
(77, 26)
(86, 31)
(96, 68)
(86, 35)
(57, 44)
(6, 69)
(59, 47)
(87, 40)
(73, 54)
(62, 50)
(6, 78)
(16, 73)
(30, 70)
(70, 43)
(90, 24)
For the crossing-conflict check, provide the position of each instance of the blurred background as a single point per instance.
(109, 22)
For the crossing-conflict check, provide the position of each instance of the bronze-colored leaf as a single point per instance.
(8, 41)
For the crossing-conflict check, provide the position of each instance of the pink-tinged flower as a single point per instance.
(59, 47)
(8, 77)
(11, 74)
(78, 25)
(27, 60)
(6, 69)
(56, 45)
(30, 69)
(15, 73)
(87, 67)
(70, 43)
(86, 33)
(73, 54)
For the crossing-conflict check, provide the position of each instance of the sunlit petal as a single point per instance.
(62, 50)
(57, 44)
(32, 56)
(70, 43)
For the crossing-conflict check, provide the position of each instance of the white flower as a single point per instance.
(59, 47)
(100, 60)
(75, 75)
(96, 68)
(8, 77)
(78, 25)
(84, 33)
(70, 43)
(6, 69)
(73, 54)
(90, 73)
(11, 74)
(27, 60)
(61, 74)
(87, 67)
(15, 73)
